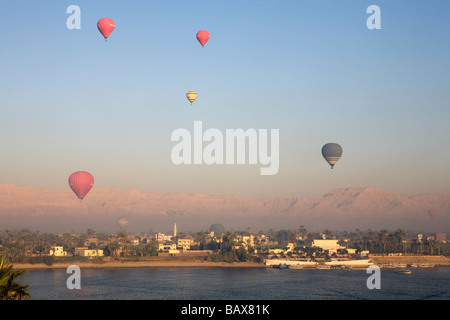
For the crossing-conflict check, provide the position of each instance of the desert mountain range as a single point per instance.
(59, 210)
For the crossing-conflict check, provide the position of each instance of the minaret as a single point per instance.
(174, 230)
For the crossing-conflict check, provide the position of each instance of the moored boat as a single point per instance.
(403, 271)
(426, 265)
(281, 266)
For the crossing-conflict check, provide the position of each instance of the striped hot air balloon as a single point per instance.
(191, 96)
(332, 152)
(81, 183)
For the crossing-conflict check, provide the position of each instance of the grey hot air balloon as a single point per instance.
(122, 223)
(332, 152)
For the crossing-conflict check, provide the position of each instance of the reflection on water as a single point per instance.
(236, 284)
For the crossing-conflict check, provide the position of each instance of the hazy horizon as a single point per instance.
(346, 208)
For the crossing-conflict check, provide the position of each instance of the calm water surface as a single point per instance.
(237, 284)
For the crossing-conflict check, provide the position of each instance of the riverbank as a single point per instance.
(140, 264)
(436, 261)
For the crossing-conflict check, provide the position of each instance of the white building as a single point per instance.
(85, 252)
(163, 237)
(171, 248)
(58, 251)
(331, 245)
(185, 244)
(134, 242)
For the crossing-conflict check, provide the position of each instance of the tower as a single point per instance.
(174, 230)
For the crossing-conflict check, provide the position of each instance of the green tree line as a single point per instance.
(34, 247)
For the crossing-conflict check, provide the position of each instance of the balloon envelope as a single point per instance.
(191, 96)
(81, 183)
(203, 37)
(106, 26)
(122, 222)
(332, 152)
(431, 212)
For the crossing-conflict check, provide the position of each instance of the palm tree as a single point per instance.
(400, 235)
(201, 239)
(328, 234)
(371, 239)
(112, 249)
(292, 237)
(430, 243)
(26, 240)
(309, 239)
(123, 240)
(383, 234)
(302, 231)
(9, 288)
(90, 233)
(67, 240)
(228, 242)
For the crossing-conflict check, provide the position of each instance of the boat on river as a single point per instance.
(403, 271)
(281, 266)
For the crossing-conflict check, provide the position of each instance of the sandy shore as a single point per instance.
(140, 264)
(437, 261)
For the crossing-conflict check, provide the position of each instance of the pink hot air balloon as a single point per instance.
(81, 183)
(106, 26)
(432, 212)
(203, 37)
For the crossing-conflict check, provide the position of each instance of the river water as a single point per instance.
(237, 284)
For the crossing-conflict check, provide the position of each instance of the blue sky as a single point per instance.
(312, 69)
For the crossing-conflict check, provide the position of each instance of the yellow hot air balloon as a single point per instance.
(191, 96)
